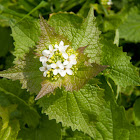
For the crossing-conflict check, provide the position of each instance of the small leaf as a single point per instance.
(48, 87)
(120, 68)
(48, 36)
(137, 112)
(27, 71)
(13, 96)
(75, 135)
(84, 74)
(130, 29)
(26, 35)
(47, 129)
(10, 127)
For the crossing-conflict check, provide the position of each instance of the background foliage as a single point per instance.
(107, 108)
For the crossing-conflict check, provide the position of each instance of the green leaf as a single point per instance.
(130, 115)
(120, 3)
(27, 71)
(122, 129)
(111, 22)
(79, 33)
(98, 8)
(120, 68)
(85, 8)
(12, 94)
(26, 35)
(70, 108)
(130, 29)
(7, 14)
(48, 87)
(27, 6)
(65, 24)
(91, 111)
(47, 129)
(68, 134)
(137, 112)
(10, 86)
(48, 36)
(10, 127)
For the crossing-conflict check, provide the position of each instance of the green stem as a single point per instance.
(104, 9)
(118, 92)
(41, 4)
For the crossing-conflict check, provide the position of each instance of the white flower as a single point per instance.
(47, 54)
(61, 64)
(61, 47)
(66, 70)
(57, 67)
(61, 69)
(50, 52)
(45, 68)
(43, 59)
(69, 59)
(62, 73)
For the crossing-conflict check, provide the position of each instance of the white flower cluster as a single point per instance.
(56, 61)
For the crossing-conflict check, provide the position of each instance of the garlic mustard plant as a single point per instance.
(58, 61)
(76, 80)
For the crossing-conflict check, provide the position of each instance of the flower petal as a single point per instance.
(54, 50)
(45, 52)
(51, 48)
(56, 46)
(58, 63)
(65, 55)
(45, 73)
(61, 66)
(51, 54)
(55, 72)
(42, 68)
(49, 67)
(65, 62)
(61, 43)
(72, 56)
(66, 46)
(69, 71)
(61, 49)
(62, 72)
(44, 64)
(43, 59)
(73, 62)
(53, 66)
(68, 66)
